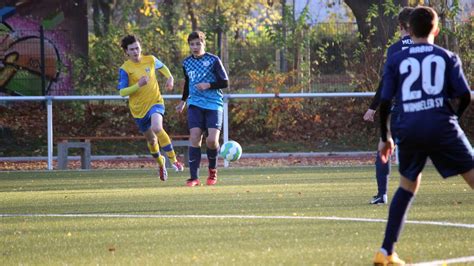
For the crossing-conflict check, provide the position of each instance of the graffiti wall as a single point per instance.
(31, 32)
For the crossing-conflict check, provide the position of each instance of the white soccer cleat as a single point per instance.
(177, 166)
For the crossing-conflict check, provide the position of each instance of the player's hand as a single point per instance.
(170, 84)
(386, 149)
(143, 81)
(203, 86)
(369, 115)
(180, 107)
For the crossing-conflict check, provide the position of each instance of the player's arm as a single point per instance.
(464, 101)
(458, 85)
(384, 114)
(123, 85)
(164, 70)
(387, 93)
(185, 95)
(370, 113)
(222, 81)
(376, 100)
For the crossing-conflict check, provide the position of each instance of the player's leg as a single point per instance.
(214, 120)
(144, 125)
(411, 166)
(455, 157)
(195, 138)
(469, 177)
(212, 144)
(165, 141)
(382, 173)
(195, 125)
(154, 149)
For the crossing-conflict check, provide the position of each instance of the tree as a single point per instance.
(101, 15)
(384, 22)
(170, 16)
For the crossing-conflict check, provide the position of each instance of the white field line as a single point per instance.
(330, 218)
(445, 262)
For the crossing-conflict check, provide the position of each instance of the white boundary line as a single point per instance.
(195, 216)
(445, 262)
(330, 218)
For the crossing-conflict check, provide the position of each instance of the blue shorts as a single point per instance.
(452, 157)
(145, 123)
(204, 118)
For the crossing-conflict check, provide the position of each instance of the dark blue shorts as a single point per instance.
(451, 157)
(204, 118)
(145, 123)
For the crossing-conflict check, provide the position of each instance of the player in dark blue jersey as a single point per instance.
(382, 170)
(422, 79)
(205, 76)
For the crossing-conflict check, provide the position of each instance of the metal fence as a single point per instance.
(49, 100)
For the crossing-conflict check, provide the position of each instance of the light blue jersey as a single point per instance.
(205, 69)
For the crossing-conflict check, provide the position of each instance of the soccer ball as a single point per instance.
(230, 151)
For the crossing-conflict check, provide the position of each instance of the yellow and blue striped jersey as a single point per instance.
(146, 96)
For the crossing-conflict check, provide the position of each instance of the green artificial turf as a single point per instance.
(170, 224)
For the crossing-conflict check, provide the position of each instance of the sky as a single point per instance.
(320, 11)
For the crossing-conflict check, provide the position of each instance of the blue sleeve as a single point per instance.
(390, 51)
(123, 79)
(389, 83)
(158, 63)
(456, 79)
(219, 70)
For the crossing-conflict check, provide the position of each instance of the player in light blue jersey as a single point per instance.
(423, 79)
(382, 170)
(205, 76)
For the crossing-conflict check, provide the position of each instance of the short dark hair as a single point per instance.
(127, 40)
(404, 16)
(422, 21)
(197, 35)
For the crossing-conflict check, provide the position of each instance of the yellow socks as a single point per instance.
(165, 143)
(155, 152)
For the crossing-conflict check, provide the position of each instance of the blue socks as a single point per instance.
(397, 214)
(382, 172)
(212, 157)
(194, 161)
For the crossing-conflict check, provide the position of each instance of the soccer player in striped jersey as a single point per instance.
(137, 79)
(205, 77)
(423, 79)
(382, 170)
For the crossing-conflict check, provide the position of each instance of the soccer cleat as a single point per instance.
(177, 166)
(162, 172)
(212, 179)
(193, 182)
(379, 199)
(392, 260)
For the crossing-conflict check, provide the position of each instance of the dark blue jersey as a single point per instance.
(400, 45)
(422, 79)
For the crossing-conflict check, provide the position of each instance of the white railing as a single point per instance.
(228, 97)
